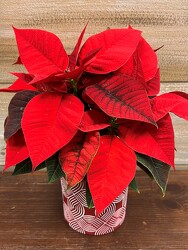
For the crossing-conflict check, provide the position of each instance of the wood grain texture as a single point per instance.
(31, 217)
(164, 22)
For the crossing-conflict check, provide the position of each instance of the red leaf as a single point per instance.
(147, 63)
(76, 157)
(23, 76)
(176, 102)
(148, 59)
(117, 46)
(57, 82)
(55, 86)
(50, 120)
(93, 120)
(76, 73)
(153, 85)
(50, 83)
(91, 55)
(165, 137)
(122, 97)
(180, 93)
(132, 68)
(20, 84)
(111, 171)
(16, 150)
(19, 61)
(87, 99)
(38, 79)
(91, 79)
(41, 52)
(74, 55)
(137, 69)
(148, 140)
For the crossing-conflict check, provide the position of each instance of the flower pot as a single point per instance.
(84, 219)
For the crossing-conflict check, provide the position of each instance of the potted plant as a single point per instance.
(90, 118)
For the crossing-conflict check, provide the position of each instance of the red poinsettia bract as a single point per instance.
(92, 115)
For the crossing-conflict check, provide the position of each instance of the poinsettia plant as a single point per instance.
(94, 114)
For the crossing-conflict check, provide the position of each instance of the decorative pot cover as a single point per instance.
(84, 219)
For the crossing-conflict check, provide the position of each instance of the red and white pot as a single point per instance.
(84, 219)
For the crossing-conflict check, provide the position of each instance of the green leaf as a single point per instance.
(158, 169)
(145, 170)
(15, 111)
(54, 169)
(134, 185)
(52, 164)
(89, 199)
(25, 167)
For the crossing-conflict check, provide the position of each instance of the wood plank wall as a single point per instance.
(163, 22)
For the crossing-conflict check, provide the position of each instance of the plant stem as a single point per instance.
(113, 127)
(74, 85)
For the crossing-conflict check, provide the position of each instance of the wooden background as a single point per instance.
(164, 22)
(31, 217)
